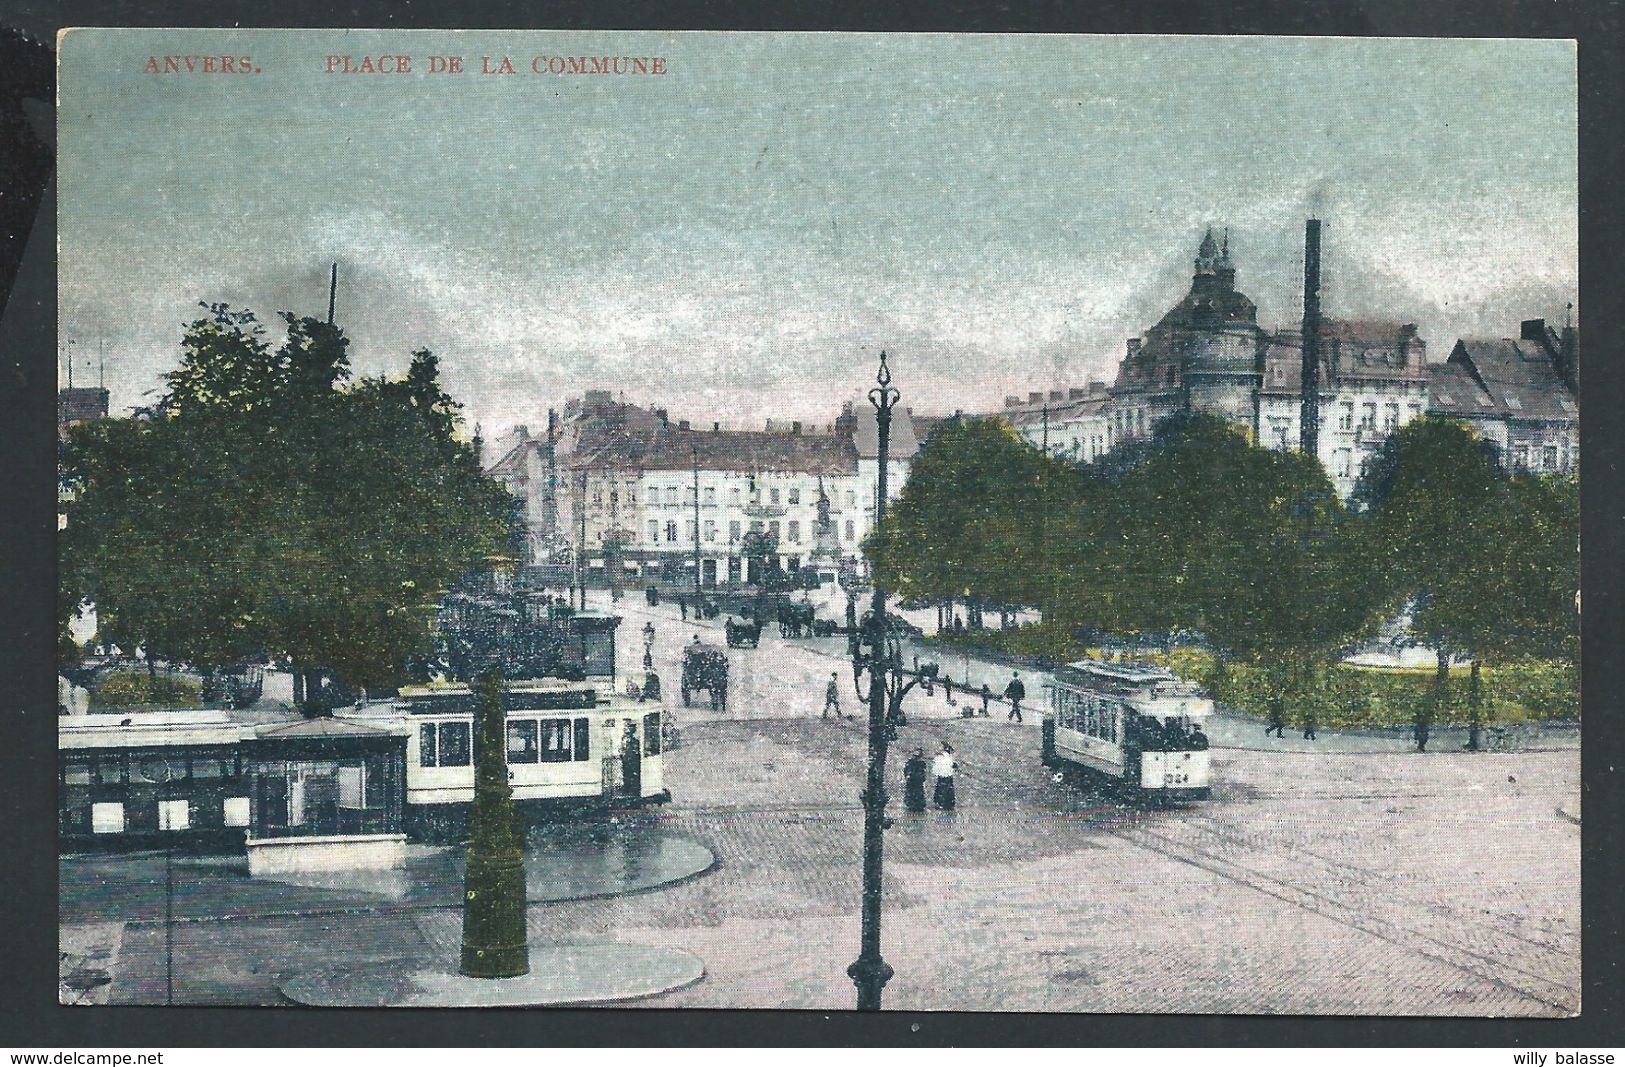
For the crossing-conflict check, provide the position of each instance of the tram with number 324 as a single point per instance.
(1135, 725)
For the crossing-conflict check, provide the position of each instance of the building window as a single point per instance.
(235, 811)
(597, 498)
(1550, 454)
(522, 741)
(1345, 417)
(1345, 462)
(107, 818)
(1368, 416)
(733, 530)
(710, 529)
(688, 530)
(654, 530)
(793, 532)
(850, 532)
(773, 496)
(795, 496)
(773, 529)
(1520, 457)
(555, 740)
(671, 530)
(710, 497)
(851, 498)
(733, 496)
(756, 526)
(1392, 417)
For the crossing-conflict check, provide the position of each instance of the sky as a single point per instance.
(739, 237)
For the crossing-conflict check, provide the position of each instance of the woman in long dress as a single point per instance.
(914, 781)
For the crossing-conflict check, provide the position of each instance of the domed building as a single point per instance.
(1203, 355)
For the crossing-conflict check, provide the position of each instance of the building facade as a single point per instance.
(638, 496)
(1209, 354)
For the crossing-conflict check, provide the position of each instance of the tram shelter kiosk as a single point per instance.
(327, 795)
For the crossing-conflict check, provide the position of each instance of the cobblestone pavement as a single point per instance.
(1375, 882)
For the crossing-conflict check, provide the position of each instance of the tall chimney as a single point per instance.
(1309, 415)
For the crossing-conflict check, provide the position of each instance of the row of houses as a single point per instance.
(1208, 353)
(623, 481)
(628, 487)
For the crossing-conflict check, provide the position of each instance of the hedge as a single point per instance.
(1343, 696)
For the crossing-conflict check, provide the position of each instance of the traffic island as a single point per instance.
(562, 974)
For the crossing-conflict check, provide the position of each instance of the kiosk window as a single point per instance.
(236, 811)
(174, 814)
(107, 818)
(426, 745)
(583, 747)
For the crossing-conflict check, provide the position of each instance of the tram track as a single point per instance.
(1510, 977)
(1332, 878)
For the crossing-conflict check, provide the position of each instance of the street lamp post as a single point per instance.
(698, 596)
(869, 972)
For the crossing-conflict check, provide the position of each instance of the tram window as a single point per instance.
(555, 740)
(426, 746)
(651, 734)
(174, 815)
(107, 818)
(454, 744)
(583, 745)
(76, 771)
(522, 741)
(110, 771)
(210, 767)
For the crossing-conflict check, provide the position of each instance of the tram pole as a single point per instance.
(870, 972)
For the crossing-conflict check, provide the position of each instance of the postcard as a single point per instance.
(1029, 523)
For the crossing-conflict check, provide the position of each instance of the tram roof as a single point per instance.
(1126, 673)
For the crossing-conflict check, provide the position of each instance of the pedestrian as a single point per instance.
(959, 625)
(682, 607)
(1277, 721)
(1309, 725)
(948, 689)
(942, 769)
(1015, 692)
(832, 696)
(1421, 730)
(914, 781)
(987, 695)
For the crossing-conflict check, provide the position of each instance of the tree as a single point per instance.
(1432, 491)
(1248, 545)
(1518, 596)
(984, 516)
(273, 506)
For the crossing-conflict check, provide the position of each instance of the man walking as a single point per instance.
(942, 769)
(1015, 693)
(987, 695)
(832, 696)
(1277, 721)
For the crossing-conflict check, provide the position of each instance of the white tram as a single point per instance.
(1136, 725)
(568, 744)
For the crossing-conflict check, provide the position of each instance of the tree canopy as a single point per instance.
(272, 505)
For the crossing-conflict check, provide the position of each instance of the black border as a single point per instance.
(31, 1016)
